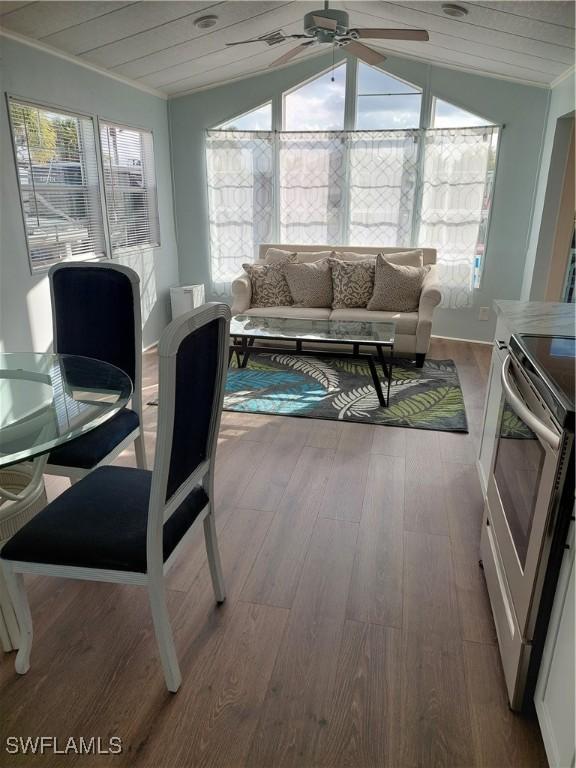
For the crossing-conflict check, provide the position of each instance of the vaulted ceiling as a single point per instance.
(157, 43)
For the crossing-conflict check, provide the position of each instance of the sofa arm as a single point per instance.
(241, 294)
(430, 297)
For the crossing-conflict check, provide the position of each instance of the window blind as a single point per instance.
(57, 170)
(130, 186)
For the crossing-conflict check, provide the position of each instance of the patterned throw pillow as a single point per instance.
(310, 284)
(269, 286)
(396, 288)
(352, 283)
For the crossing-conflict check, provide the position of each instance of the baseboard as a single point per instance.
(456, 338)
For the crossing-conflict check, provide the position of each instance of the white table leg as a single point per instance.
(22, 495)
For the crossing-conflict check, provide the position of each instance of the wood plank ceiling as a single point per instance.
(157, 43)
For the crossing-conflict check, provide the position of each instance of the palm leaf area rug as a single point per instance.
(341, 389)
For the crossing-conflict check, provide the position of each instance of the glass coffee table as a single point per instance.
(246, 331)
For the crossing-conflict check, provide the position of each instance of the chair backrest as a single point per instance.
(96, 313)
(193, 354)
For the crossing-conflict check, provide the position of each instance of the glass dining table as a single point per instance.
(45, 400)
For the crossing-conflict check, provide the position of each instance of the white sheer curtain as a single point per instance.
(313, 177)
(456, 187)
(383, 180)
(240, 201)
(406, 188)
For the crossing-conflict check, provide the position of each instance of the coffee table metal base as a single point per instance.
(244, 346)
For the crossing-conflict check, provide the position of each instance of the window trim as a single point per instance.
(129, 249)
(38, 103)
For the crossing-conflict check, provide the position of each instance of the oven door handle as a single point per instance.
(538, 427)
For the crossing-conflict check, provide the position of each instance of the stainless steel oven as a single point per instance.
(523, 502)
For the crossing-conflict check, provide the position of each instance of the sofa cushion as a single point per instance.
(352, 283)
(396, 288)
(405, 258)
(269, 286)
(306, 313)
(87, 450)
(310, 284)
(405, 322)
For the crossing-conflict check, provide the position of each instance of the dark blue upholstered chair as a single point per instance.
(96, 313)
(126, 525)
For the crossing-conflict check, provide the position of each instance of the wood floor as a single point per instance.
(356, 634)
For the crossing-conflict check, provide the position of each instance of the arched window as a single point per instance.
(259, 119)
(318, 104)
(385, 103)
(446, 115)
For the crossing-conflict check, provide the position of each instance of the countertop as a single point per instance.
(545, 317)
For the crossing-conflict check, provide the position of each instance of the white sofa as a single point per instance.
(413, 329)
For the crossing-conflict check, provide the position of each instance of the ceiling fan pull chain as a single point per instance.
(333, 55)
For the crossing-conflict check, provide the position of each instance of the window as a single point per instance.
(390, 182)
(130, 186)
(385, 103)
(446, 115)
(58, 176)
(259, 119)
(318, 105)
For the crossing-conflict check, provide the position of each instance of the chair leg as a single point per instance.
(420, 357)
(164, 636)
(140, 450)
(214, 557)
(17, 592)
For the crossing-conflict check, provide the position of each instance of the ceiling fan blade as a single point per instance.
(291, 53)
(325, 23)
(369, 55)
(242, 42)
(392, 34)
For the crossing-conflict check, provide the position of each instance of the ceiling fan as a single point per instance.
(331, 26)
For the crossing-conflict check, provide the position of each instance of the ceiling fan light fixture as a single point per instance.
(454, 11)
(206, 22)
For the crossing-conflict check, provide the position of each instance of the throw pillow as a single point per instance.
(278, 256)
(308, 257)
(352, 283)
(405, 258)
(396, 288)
(269, 286)
(310, 284)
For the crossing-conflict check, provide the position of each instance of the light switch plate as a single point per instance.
(484, 313)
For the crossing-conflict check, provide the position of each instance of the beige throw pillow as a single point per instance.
(308, 257)
(352, 283)
(278, 256)
(310, 284)
(269, 286)
(396, 288)
(405, 258)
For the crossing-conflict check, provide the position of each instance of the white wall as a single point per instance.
(561, 106)
(25, 318)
